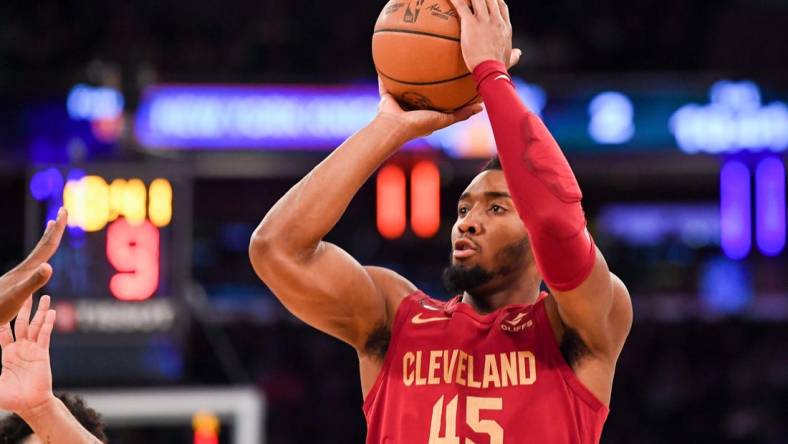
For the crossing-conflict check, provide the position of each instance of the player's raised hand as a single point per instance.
(26, 378)
(33, 273)
(486, 32)
(422, 123)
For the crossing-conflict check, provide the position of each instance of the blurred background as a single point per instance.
(174, 126)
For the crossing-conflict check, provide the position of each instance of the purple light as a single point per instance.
(770, 206)
(267, 117)
(46, 184)
(735, 223)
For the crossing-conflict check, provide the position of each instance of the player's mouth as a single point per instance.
(463, 248)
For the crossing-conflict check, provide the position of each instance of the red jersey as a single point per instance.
(453, 376)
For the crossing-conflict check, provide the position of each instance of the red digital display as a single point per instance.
(134, 252)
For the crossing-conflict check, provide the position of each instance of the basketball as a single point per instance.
(416, 50)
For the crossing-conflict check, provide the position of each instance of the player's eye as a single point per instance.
(497, 209)
(462, 211)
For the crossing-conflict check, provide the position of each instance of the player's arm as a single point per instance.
(26, 378)
(33, 273)
(548, 199)
(317, 281)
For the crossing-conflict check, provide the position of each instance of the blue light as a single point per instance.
(735, 221)
(75, 174)
(770, 206)
(46, 184)
(725, 286)
(193, 117)
(94, 103)
(648, 224)
(612, 118)
(283, 117)
(734, 120)
(533, 96)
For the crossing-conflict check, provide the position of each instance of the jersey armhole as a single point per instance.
(569, 376)
(401, 315)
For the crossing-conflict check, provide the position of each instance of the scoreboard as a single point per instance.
(122, 269)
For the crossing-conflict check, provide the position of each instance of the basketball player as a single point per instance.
(26, 385)
(502, 363)
(33, 273)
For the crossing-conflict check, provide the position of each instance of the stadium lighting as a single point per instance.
(94, 103)
(733, 120)
(735, 220)
(770, 206)
(612, 118)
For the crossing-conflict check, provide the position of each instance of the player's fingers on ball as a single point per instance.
(504, 8)
(45, 336)
(461, 6)
(480, 9)
(23, 319)
(38, 319)
(6, 337)
(495, 12)
(467, 112)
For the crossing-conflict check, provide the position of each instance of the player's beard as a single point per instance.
(512, 258)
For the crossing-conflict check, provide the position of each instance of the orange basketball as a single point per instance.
(416, 49)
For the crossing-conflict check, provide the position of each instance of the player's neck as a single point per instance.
(524, 290)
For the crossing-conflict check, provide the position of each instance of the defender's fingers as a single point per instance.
(35, 280)
(50, 241)
(38, 319)
(44, 338)
(6, 337)
(23, 319)
(15, 296)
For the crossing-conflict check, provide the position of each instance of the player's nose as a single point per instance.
(470, 225)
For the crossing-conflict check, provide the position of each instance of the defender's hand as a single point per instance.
(33, 273)
(486, 32)
(417, 124)
(26, 378)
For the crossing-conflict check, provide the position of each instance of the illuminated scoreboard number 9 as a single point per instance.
(133, 232)
(132, 214)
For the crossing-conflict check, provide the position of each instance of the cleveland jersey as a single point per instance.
(453, 376)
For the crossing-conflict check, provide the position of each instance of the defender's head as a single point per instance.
(490, 247)
(14, 430)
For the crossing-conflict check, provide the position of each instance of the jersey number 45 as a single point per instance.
(473, 407)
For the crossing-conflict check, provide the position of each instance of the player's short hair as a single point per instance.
(493, 164)
(13, 430)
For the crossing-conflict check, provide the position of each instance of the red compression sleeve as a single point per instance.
(541, 182)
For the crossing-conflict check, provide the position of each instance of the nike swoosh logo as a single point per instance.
(419, 320)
